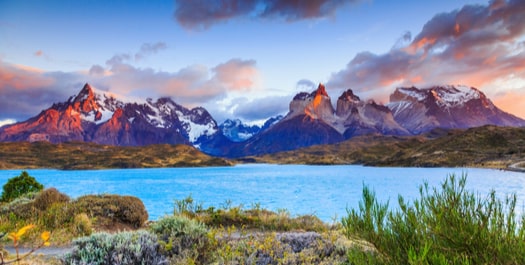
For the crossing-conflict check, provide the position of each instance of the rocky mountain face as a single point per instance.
(94, 116)
(421, 110)
(237, 131)
(313, 120)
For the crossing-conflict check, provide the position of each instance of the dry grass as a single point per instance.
(487, 146)
(77, 155)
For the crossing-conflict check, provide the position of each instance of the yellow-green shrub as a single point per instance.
(82, 224)
(115, 208)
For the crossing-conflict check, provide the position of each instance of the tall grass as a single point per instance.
(446, 225)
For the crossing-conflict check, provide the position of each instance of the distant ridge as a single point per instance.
(421, 110)
(97, 116)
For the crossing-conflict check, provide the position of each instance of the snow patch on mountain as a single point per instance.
(452, 96)
(193, 129)
(445, 96)
(237, 131)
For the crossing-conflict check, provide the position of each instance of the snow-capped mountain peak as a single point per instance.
(421, 110)
(237, 131)
(445, 96)
(97, 116)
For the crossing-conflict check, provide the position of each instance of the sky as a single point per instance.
(246, 59)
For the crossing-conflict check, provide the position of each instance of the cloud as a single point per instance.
(305, 85)
(237, 74)
(42, 54)
(512, 102)
(201, 14)
(259, 108)
(25, 91)
(190, 86)
(473, 45)
(148, 49)
(145, 50)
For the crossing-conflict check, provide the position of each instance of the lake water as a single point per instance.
(325, 191)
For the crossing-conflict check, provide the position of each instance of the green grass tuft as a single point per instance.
(450, 225)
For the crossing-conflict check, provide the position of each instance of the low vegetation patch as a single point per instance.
(254, 218)
(82, 155)
(450, 225)
(52, 210)
(113, 209)
(124, 248)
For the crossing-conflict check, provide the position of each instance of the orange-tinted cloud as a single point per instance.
(474, 45)
(25, 91)
(21, 77)
(512, 102)
(237, 74)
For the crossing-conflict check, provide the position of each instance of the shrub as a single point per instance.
(124, 209)
(48, 197)
(445, 226)
(19, 210)
(248, 218)
(58, 215)
(173, 226)
(183, 239)
(82, 224)
(18, 186)
(278, 248)
(123, 248)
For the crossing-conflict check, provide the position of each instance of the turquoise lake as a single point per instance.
(325, 191)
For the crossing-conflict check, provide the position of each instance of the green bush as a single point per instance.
(18, 186)
(123, 248)
(115, 208)
(49, 197)
(444, 226)
(173, 226)
(184, 240)
(255, 218)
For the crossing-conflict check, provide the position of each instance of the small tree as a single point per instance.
(18, 186)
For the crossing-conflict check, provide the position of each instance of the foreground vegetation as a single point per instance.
(80, 155)
(487, 146)
(445, 225)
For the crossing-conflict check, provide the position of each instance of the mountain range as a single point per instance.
(237, 131)
(97, 116)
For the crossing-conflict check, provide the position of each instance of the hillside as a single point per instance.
(78, 155)
(487, 146)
